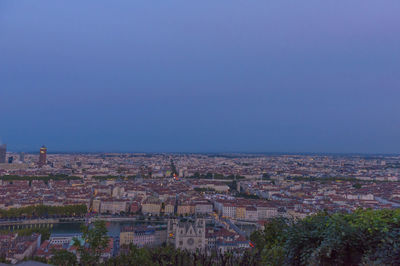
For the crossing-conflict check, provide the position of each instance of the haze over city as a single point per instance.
(209, 76)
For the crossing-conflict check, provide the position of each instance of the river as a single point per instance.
(114, 228)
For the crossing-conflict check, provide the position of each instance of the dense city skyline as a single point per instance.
(212, 203)
(223, 76)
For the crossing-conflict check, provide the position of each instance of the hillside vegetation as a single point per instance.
(365, 237)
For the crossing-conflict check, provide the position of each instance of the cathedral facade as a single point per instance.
(187, 235)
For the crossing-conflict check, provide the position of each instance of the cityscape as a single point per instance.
(194, 202)
(200, 133)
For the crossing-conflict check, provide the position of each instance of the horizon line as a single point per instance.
(213, 152)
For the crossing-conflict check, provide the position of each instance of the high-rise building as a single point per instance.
(10, 159)
(3, 152)
(42, 156)
(22, 157)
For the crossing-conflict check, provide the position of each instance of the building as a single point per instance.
(184, 209)
(151, 206)
(251, 214)
(108, 252)
(113, 206)
(43, 156)
(240, 212)
(169, 207)
(60, 239)
(106, 190)
(188, 235)
(139, 236)
(15, 248)
(229, 210)
(96, 205)
(203, 207)
(3, 152)
(135, 207)
(266, 212)
(118, 192)
(222, 240)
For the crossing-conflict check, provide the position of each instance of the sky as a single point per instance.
(200, 76)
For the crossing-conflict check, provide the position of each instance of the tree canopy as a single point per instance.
(362, 237)
(44, 178)
(95, 241)
(44, 210)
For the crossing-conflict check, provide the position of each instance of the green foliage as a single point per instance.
(337, 178)
(37, 258)
(387, 253)
(216, 176)
(64, 258)
(135, 256)
(168, 255)
(268, 243)
(357, 185)
(4, 260)
(247, 196)
(113, 177)
(236, 177)
(210, 175)
(44, 178)
(44, 210)
(266, 176)
(95, 241)
(204, 189)
(365, 236)
(45, 232)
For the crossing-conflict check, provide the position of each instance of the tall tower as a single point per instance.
(42, 156)
(3, 152)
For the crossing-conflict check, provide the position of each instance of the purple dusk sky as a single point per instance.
(200, 76)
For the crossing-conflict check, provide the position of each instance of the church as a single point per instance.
(187, 235)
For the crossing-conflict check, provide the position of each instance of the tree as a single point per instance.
(95, 241)
(45, 232)
(269, 243)
(266, 176)
(218, 176)
(63, 258)
(45, 211)
(134, 256)
(344, 239)
(4, 260)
